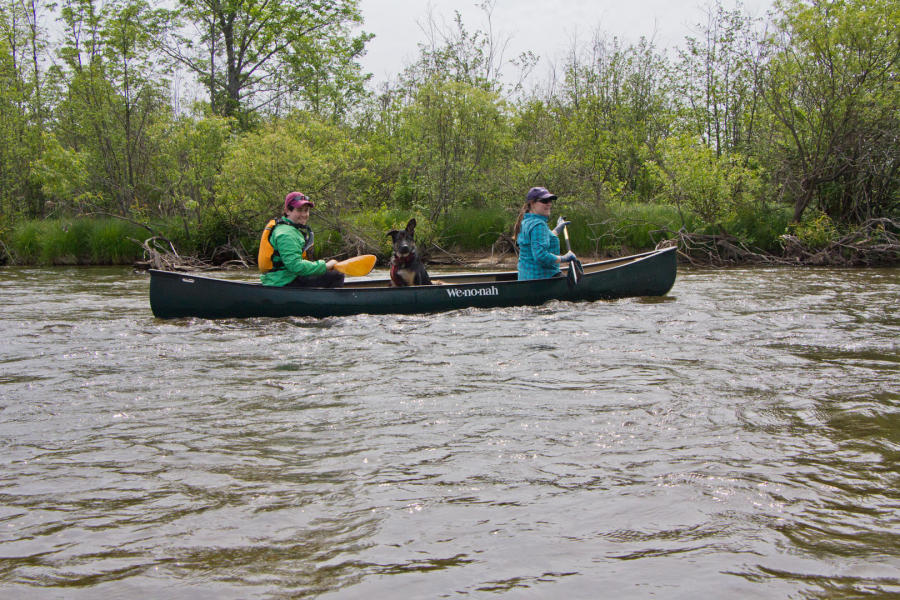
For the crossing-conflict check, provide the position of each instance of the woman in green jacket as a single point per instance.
(292, 239)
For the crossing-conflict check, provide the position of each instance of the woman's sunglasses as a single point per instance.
(544, 200)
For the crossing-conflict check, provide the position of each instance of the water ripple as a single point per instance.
(738, 437)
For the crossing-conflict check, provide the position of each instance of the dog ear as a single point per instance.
(411, 226)
(393, 233)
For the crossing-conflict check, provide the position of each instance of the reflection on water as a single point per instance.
(738, 438)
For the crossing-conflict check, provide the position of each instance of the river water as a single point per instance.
(736, 439)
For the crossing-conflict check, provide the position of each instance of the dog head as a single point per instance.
(404, 240)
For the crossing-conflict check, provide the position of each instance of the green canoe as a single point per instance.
(179, 295)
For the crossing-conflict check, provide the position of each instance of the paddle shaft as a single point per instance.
(566, 235)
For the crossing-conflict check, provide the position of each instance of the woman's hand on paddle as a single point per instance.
(560, 224)
(567, 257)
(329, 265)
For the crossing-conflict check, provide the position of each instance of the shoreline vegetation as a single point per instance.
(112, 241)
(760, 140)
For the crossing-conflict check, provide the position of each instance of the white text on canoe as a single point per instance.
(487, 291)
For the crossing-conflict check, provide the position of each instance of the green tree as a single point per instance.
(831, 89)
(130, 34)
(23, 104)
(614, 107)
(457, 141)
(323, 75)
(251, 54)
(697, 180)
(440, 135)
(301, 152)
(716, 80)
(115, 89)
(538, 155)
(188, 158)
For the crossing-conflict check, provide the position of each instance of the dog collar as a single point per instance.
(400, 261)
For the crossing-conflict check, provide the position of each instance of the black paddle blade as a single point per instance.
(571, 276)
(574, 273)
(579, 270)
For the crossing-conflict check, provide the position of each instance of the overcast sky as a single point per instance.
(546, 27)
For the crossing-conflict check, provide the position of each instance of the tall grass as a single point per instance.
(476, 229)
(75, 242)
(624, 228)
(613, 229)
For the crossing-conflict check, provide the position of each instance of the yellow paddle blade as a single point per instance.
(356, 266)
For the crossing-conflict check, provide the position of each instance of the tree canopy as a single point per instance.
(798, 110)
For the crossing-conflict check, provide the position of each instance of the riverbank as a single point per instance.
(120, 242)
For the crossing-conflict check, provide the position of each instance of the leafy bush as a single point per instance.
(816, 230)
(372, 226)
(693, 178)
(760, 227)
(297, 154)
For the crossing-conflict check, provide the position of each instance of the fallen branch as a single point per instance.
(157, 256)
(875, 242)
(451, 258)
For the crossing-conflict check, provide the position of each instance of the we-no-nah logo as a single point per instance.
(488, 291)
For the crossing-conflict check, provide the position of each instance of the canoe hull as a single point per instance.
(174, 295)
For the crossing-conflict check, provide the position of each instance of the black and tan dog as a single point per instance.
(406, 266)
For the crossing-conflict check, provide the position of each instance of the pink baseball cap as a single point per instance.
(295, 199)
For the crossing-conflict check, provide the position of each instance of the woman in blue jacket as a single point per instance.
(539, 245)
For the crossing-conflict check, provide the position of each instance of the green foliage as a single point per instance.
(110, 243)
(715, 80)
(642, 226)
(373, 225)
(816, 230)
(619, 227)
(324, 73)
(537, 129)
(114, 89)
(694, 179)
(737, 128)
(303, 154)
(62, 172)
(831, 89)
(25, 243)
(759, 226)
(190, 156)
(63, 244)
(455, 138)
(248, 50)
(23, 107)
(615, 109)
